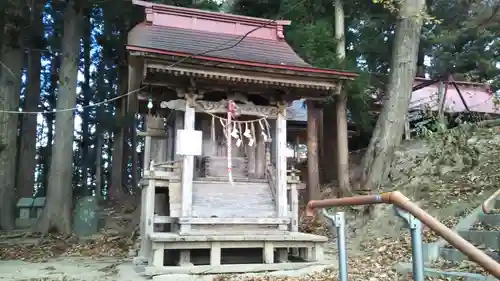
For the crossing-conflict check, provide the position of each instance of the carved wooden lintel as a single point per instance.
(191, 95)
(221, 107)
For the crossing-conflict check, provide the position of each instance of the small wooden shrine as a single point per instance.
(216, 190)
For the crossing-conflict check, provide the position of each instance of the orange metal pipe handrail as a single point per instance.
(491, 200)
(399, 200)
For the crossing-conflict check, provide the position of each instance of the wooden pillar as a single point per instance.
(170, 142)
(312, 151)
(187, 168)
(135, 68)
(147, 153)
(147, 214)
(260, 157)
(273, 146)
(294, 203)
(329, 143)
(281, 178)
(251, 151)
(342, 142)
(178, 125)
(321, 146)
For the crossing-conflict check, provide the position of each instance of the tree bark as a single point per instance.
(46, 152)
(3, 5)
(85, 157)
(341, 106)
(132, 107)
(390, 124)
(57, 212)
(10, 89)
(101, 94)
(132, 130)
(115, 190)
(25, 179)
(312, 151)
(98, 162)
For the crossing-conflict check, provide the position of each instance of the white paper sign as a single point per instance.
(188, 143)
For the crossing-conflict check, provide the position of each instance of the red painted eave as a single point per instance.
(337, 73)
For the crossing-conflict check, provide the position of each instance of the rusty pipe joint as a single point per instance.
(384, 198)
(488, 204)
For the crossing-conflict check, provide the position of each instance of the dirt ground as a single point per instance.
(69, 269)
(448, 175)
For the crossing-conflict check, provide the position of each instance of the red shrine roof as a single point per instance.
(177, 31)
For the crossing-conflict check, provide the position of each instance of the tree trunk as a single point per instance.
(27, 152)
(312, 151)
(3, 4)
(99, 134)
(116, 188)
(131, 147)
(109, 162)
(341, 107)
(85, 157)
(132, 106)
(10, 87)
(98, 163)
(390, 124)
(46, 153)
(57, 212)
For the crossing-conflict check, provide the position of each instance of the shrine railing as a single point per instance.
(414, 215)
(271, 178)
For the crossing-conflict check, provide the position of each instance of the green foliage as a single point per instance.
(257, 8)
(315, 42)
(466, 41)
(360, 101)
(210, 5)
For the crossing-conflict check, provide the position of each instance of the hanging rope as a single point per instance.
(237, 121)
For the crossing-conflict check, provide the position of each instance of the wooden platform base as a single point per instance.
(174, 250)
(225, 269)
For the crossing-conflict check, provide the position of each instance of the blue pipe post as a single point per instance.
(415, 227)
(339, 221)
(341, 244)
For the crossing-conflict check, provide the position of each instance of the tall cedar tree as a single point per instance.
(11, 56)
(389, 128)
(58, 209)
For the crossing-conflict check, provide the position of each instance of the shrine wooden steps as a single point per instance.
(240, 199)
(228, 253)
